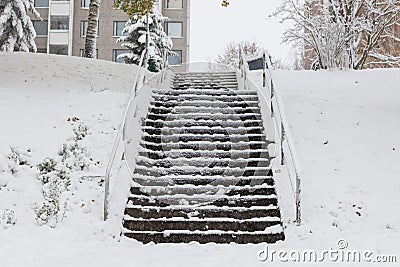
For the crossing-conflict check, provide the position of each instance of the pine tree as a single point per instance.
(16, 28)
(135, 41)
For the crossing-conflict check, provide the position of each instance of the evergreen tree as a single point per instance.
(16, 28)
(135, 41)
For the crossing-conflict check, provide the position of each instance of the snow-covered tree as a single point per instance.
(343, 33)
(230, 55)
(135, 41)
(16, 28)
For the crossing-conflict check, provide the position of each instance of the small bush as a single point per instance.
(50, 170)
(47, 165)
(18, 157)
(48, 212)
(8, 218)
(80, 131)
(74, 155)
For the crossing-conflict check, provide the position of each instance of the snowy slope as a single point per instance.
(356, 172)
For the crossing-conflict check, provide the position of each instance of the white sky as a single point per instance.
(213, 27)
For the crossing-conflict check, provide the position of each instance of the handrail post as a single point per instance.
(298, 191)
(282, 141)
(264, 62)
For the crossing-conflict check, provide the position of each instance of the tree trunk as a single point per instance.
(91, 33)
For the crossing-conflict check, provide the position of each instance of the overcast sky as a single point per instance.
(213, 27)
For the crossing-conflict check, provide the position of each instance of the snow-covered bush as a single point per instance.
(80, 131)
(7, 218)
(48, 212)
(56, 177)
(18, 157)
(74, 155)
(50, 170)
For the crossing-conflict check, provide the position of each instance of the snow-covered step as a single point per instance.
(204, 103)
(215, 180)
(240, 213)
(185, 138)
(207, 85)
(202, 130)
(204, 75)
(213, 110)
(192, 170)
(203, 116)
(221, 92)
(188, 189)
(203, 162)
(203, 146)
(203, 237)
(190, 153)
(191, 97)
(161, 124)
(219, 201)
(161, 225)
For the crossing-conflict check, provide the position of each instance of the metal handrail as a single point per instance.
(280, 121)
(119, 137)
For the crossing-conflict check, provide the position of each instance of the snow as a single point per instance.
(345, 127)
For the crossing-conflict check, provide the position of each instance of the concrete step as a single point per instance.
(203, 103)
(203, 146)
(213, 98)
(160, 225)
(185, 138)
(202, 91)
(213, 110)
(202, 162)
(218, 154)
(193, 171)
(191, 190)
(201, 123)
(204, 116)
(204, 237)
(202, 130)
(144, 180)
(215, 200)
(240, 213)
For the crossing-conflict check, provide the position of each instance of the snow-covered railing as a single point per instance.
(286, 153)
(123, 131)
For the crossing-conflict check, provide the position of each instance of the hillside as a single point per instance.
(345, 126)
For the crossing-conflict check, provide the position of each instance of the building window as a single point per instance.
(174, 3)
(173, 29)
(84, 26)
(118, 28)
(85, 3)
(175, 58)
(58, 49)
(41, 3)
(41, 50)
(59, 23)
(116, 53)
(81, 53)
(41, 27)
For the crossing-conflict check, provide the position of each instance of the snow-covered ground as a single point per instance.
(345, 126)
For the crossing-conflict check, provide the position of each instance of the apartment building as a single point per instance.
(64, 25)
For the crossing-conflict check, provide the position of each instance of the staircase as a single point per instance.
(203, 169)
